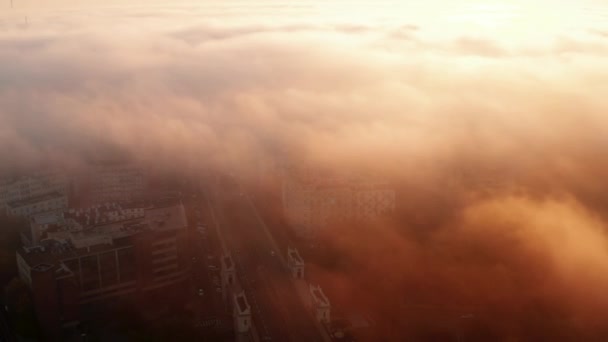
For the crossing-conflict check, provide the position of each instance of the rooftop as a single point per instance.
(64, 242)
(56, 251)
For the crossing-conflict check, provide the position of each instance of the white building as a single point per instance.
(21, 188)
(313, 203)
(51, 202)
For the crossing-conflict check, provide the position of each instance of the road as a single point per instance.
(278, 312)
(209, 306)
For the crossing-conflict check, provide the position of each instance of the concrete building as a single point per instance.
(119, 182)
(41, 183)
(73, 267)
(312, 203)
(31, 206)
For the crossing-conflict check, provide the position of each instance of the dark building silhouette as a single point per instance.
(73, 270)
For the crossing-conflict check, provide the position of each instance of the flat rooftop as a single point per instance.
(62, 244)
(54, 255)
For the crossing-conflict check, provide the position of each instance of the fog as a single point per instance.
(417, 101)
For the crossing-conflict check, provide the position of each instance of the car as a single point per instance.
(201, 292)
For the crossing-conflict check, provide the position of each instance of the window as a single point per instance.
(126, 264)
(89, 273)
(108, 268)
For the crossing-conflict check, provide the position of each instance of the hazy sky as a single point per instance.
(410, 90)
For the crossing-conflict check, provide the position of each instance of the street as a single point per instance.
(278, 312)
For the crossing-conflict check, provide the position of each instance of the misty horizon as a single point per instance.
(459, 146)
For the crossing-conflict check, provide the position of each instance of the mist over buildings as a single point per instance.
(496, 147)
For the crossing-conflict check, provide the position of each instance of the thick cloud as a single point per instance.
(439, 112)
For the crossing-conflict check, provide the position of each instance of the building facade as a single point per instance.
(75, 268)
(311, 204)
(50, 202)
(123, 182)
(22, 188)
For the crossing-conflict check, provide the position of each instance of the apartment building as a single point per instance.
(37, 184)
(312, 203)
(49, 202)
(119, 182)
(77, 266)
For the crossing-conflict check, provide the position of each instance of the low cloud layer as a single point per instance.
(415, 104)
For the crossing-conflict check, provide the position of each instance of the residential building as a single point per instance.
(118, 182)
(37, 184)
(312, 203)
(76, 266)
(49, 202)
